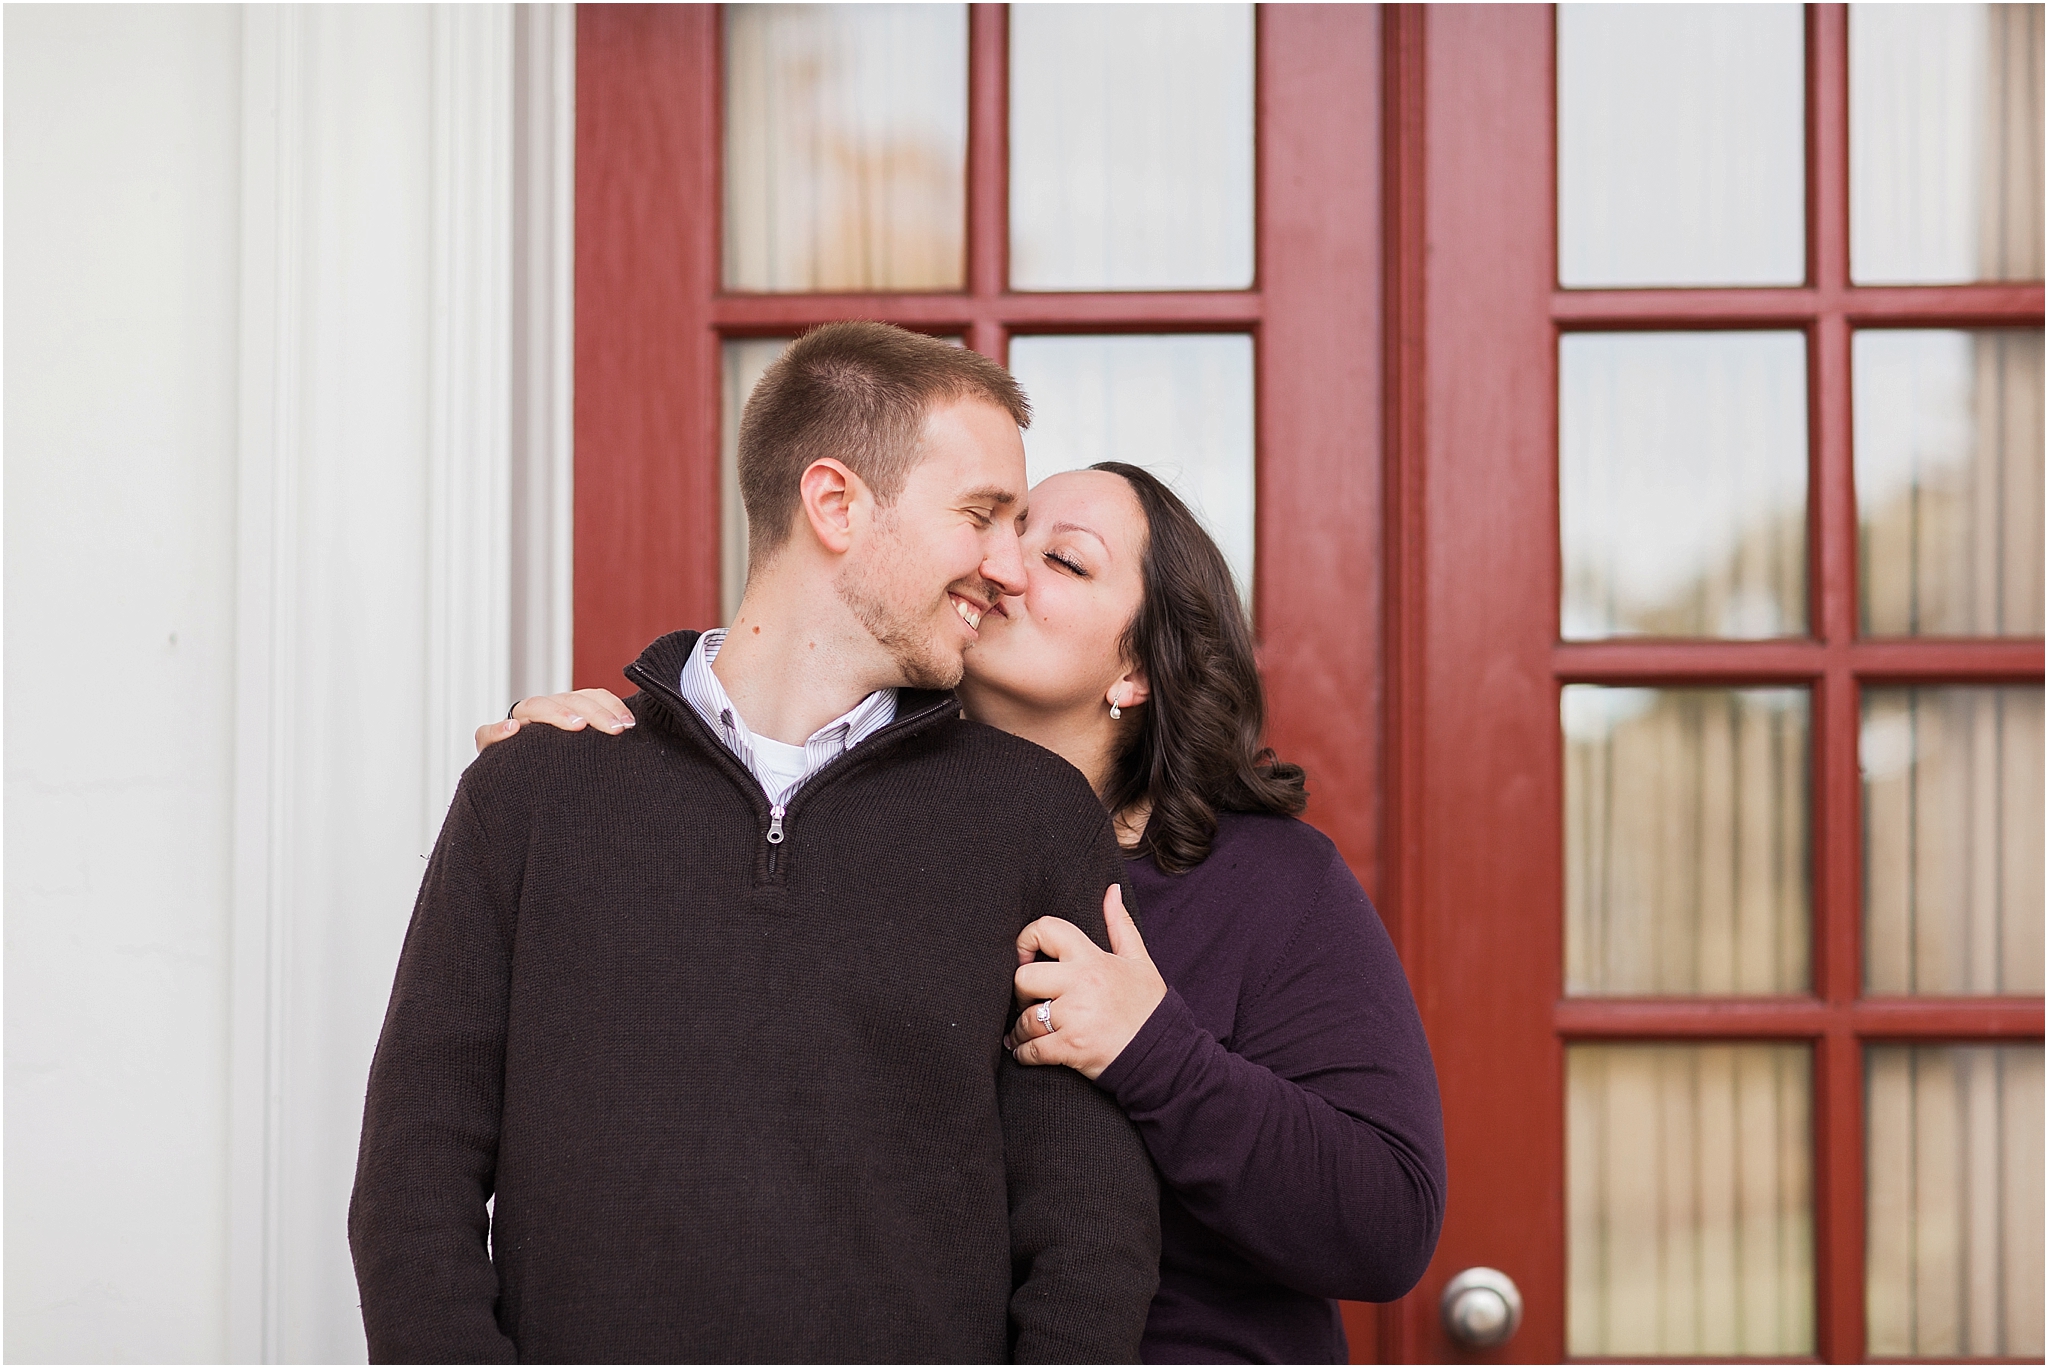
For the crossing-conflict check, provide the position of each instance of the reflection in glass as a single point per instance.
(1681, 145)
(1952, 820)
(1689, 1200)
(1948, 481)
(1686, 818)
(1953, 1264)
(1179, 405)
(1682, 483)
(845, 147)
(1944, 143)
(1131, 147)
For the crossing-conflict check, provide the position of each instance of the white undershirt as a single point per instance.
(778, 765)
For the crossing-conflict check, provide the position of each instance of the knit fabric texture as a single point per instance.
(743, 1101)
(1285, 1090)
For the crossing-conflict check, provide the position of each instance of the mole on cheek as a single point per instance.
(757, 631)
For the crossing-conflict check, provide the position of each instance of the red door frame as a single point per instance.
(647, 358)
(1477, 820)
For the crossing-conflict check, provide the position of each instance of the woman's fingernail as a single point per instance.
(511, 725)
(575, 721)
(627, 723)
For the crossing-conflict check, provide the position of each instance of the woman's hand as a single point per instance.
(598, 708)
(1093, 1000)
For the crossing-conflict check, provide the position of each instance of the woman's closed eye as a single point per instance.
(1066, 562)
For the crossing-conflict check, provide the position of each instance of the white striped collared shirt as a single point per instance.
(774, 764)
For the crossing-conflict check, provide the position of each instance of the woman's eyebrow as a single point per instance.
(1058, 528)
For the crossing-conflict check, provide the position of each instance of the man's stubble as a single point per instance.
(893, 614)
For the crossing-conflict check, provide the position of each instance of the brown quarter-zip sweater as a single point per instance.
(739, 1100)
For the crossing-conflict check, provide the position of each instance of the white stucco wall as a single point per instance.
(122, 143)
(259, 457)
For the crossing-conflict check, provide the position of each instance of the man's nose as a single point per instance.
(1004, 563)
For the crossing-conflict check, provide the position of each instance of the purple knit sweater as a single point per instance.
(1285, 1090)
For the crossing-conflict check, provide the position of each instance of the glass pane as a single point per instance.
(1682, 483)
(745, 359)
(1948, 482)
(845, 147)
(1689, 1200)
(1179, 405)
(1681, 145)
(1944, 143)
(1686, 868)
(1952, 820)
(1953, 1137)
(1131, 147)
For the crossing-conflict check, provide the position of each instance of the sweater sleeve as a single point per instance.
(417, 1223)
(1314, 1144)
(1084, 1201)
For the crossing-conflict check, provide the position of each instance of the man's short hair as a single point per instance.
(859, 393)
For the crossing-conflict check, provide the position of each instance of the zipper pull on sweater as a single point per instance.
(775, 824)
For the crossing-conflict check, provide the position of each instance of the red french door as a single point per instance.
(1503, 755)
(652, 318)
(1486, 358)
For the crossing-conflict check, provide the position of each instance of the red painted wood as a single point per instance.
(1319, 422)
(1162, 311)
(646, 424)
(2002, 1018)
(1956, 1019)
(1474, 841)
(1402, 867)
(988, 173)
(1362, 1329)
(1936, 660)
(1647, 661)
(1837, 791)
(1838, 1195)
(1318, 577)
(1947, 306)
(1987, 305)
(1489, 819)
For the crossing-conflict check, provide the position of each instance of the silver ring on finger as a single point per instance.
(1044, 1014)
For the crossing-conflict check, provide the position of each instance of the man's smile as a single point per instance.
(971, 610)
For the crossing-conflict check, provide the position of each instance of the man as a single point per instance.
(714, 1011)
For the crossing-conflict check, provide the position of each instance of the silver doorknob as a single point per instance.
(1482, 1307)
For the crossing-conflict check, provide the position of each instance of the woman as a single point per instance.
(1271, 1057)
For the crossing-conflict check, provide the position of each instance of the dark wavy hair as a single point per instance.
(1195, 748)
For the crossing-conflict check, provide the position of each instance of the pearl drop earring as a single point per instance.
(1115, 712)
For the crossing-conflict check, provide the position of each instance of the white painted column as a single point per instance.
(375, 582)
(543, 347)
(469, 462)
(270, 480)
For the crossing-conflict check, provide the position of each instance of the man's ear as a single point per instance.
(1131, 688)
(835, 500)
